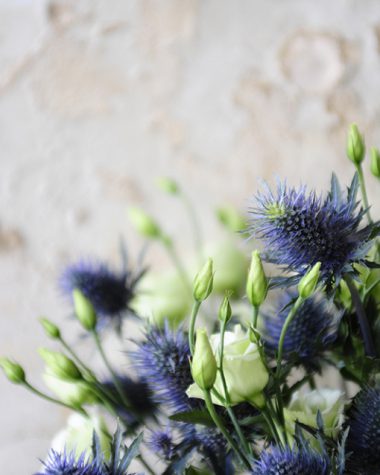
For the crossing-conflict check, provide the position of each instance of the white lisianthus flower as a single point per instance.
(304, 407)
(244, 371)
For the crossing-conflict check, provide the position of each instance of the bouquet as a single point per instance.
(228, 373)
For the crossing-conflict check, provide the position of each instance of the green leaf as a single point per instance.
(198, 416)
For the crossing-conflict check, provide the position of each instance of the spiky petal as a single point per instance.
(300, 229)
(291, 461)
(310, 333)
(63, 463)
(363, 439)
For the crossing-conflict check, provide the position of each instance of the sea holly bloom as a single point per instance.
(110, 292)
(64, 463)
(299, 229)
(311, 332)
(363, 439)
(291, 461)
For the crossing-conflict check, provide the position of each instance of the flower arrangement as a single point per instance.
(228, 373)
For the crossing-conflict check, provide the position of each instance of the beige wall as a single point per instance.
(98, 97)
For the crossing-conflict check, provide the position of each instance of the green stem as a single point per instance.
(223, 430)
(255, 316)
(365, 329)
(288, 321)
(363, 188)
(272, 426)
(53, 400)
(193, 317)
(115, 377)
(193, 218)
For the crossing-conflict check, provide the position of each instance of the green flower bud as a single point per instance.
(257, 283)
(203, 282)
(231, 218)
(60, 365)
(203, 366)
(168, 185)
(51, 330)
(225, 311)
(144, 223)
(355, 145)
(375, 162)
(309, 281)
(13, 371)
(84, 310)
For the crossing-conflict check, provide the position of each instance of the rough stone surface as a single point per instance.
(98, 98)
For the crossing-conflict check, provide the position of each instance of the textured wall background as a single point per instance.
(98, 97)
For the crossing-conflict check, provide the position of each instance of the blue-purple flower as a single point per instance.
(109, 291)
(299, 229)
(363, 439)
(161, 442)
(311, 332)
(291, 461)
(63, 463)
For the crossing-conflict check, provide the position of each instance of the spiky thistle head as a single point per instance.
(162, 358)
(110, 292)
(299, 229)
(161, 442)
(363, 439)
(64, 463)
(291, 461)
(311, 332)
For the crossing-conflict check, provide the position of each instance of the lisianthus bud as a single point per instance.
(309, 281)
(60, 365)
(375, 162)
(257, 283)
(144, 223)
(50, 328)
(84, 310)
(168, 185)
(13, 371)
(203, 282)
(74, 393)
(203, 366)
(225, 311)
(244, 371)
(355, 145)
(231, 218)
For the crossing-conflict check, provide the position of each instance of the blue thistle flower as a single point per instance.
(300, 229)
(63, 463)
(311, 332)
(363, 439)
(110, 292)
(161, 442)
(162, 358)
(303, 461)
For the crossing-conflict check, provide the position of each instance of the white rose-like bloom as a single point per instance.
(245, 374)
(305, 406)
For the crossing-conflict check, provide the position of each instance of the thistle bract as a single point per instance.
(300, 229)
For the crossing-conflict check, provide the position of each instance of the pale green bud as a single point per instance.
(309, 281)
(257, 283)
(144, 223)
(51, 330)
(13, 371)
(203, 282)
(225, 310)
(231, 218)
(84, 310)
(203, 366)
(60, 365)
(168, 185)
(355, 145)
(375, 162)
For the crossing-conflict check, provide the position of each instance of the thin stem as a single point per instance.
(272, 426)
(288, 321)
(193, 218)
(255, 316)
(53, 400)
(363, 188)
(115, 377)
(194, 313)
(177, 263)
(365, 329)
(223, 430)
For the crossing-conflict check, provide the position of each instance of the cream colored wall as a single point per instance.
(99, 97)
